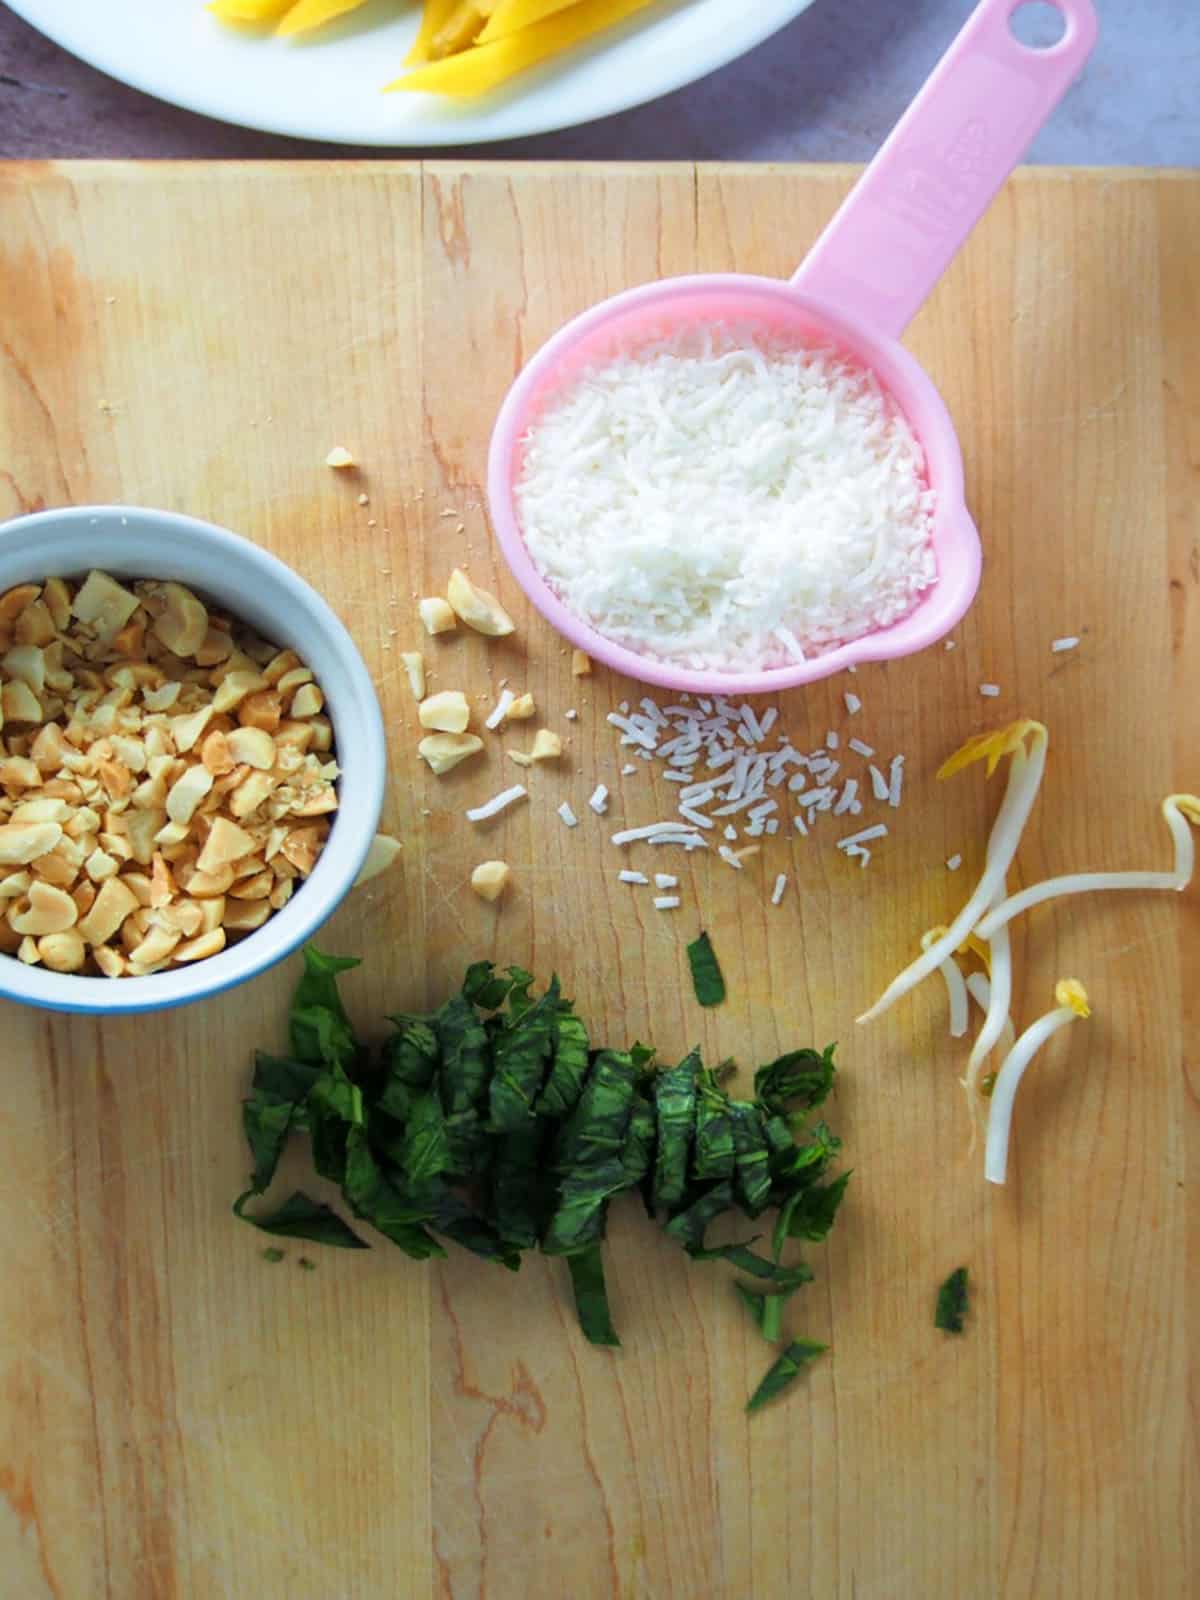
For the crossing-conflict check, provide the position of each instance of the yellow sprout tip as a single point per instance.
(991, 747)
(980, 948)
(931, 938)
(1187, 805)
(1070, 992)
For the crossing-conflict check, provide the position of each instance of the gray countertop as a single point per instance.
(826, 88)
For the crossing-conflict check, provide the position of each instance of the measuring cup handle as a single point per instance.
(912, 209)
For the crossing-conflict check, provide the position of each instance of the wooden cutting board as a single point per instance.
(181, 1418)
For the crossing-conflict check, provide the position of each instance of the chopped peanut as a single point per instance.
(14, 601)
(103, 604)
(581, 664)
(245, 915)
(437, 615)
(262, 709)
(521, 709)
(62, 952)
(489, 879)
(444, 751)
(383, 851)
(187, 792)
(414, 666)
(447, 711)
(476, 607)
(547, 746)
(113, 904)
(183, 624)
(156, 760)
(47, 909)
(204, 945)
(18, 703)
(308, 701)
(253, 747)
(23, 842)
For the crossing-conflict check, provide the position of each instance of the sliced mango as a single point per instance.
(308, 14)
(486, 66)
(510, 16)
(435, 14)
(249, 10)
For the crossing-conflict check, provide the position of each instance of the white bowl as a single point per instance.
(255, 587)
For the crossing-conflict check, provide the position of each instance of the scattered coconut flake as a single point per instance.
(664, 880)
(1059, 646)
(866, 751)
(501, 709)
(498, 803)
(726, 854)
(864, 836)
(853, 704)
(571, 715)
(666, 902)
(951, 644)
(675, 831)
(632, 877)
(989, 690)
(953, 863)
(568, 816)
(831, 740)
(778, 892)
(880, 787)
(598, 800)
(895, 782)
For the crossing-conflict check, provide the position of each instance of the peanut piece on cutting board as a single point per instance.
(476, 607)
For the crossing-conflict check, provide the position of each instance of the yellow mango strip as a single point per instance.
(458, 31)
(308, 14)
(434, 16)
(486, 66)
(249, 10)
(510, 16)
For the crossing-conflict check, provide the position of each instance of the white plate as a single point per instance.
(326, 87)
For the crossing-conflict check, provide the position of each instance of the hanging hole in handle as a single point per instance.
(1037, 24)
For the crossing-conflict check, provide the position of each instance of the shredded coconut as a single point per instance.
(568, 816)
(720, 499)
(498, 803)
(501, 709)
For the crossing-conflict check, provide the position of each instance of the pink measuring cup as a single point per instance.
(858, 288)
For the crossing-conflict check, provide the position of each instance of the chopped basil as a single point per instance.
(951, 1313)
(784, 1371)
(494, 1124)
(707, 978)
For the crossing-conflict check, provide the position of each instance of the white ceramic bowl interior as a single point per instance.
(254, 586)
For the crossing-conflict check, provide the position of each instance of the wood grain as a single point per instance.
(181, 1418)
